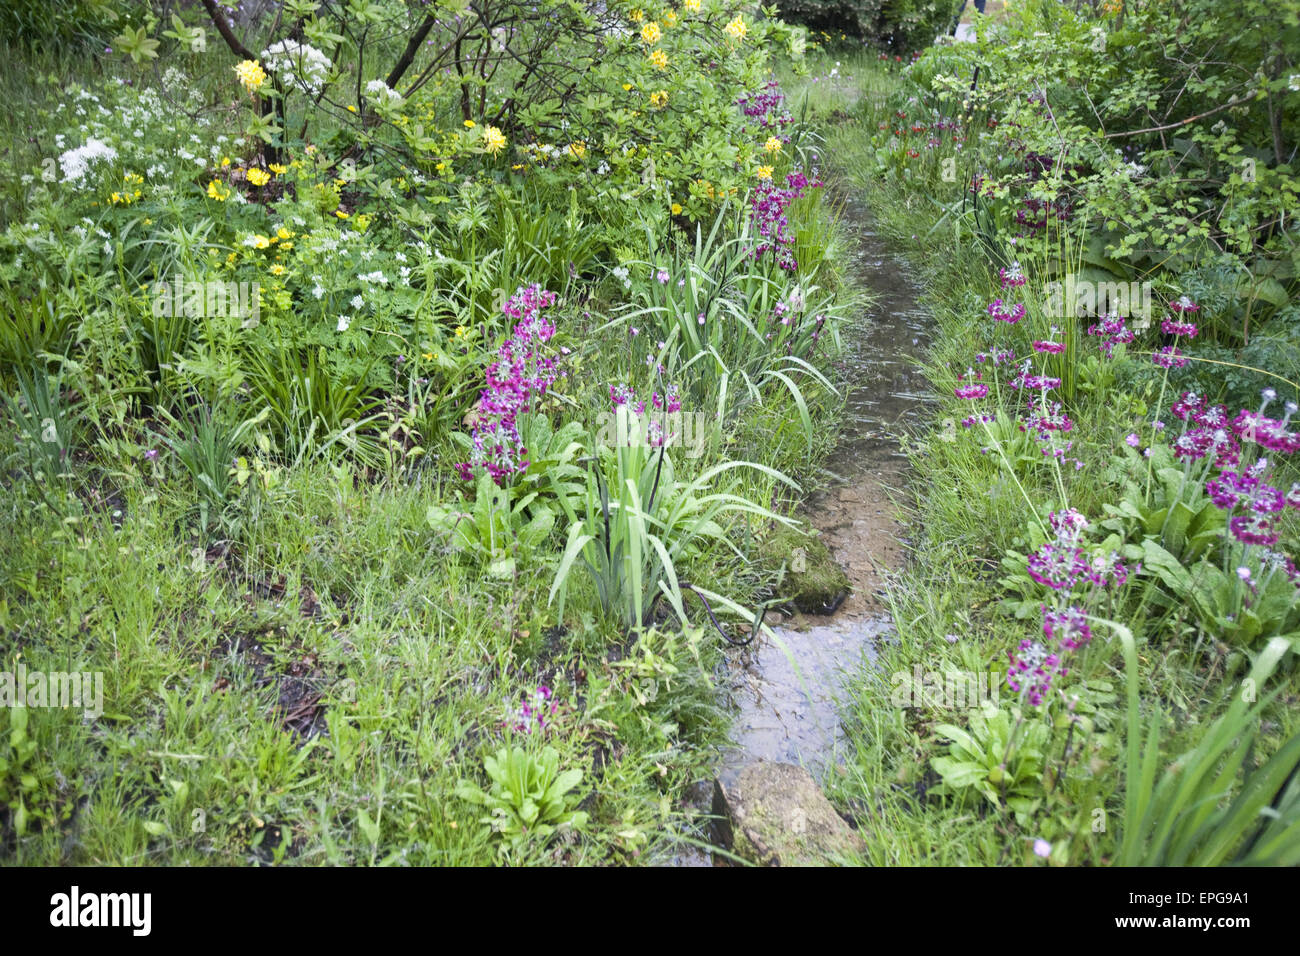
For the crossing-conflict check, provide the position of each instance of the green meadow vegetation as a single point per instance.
(397, 400)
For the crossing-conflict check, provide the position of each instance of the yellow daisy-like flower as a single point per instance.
(251, 75)
(659, 99)
(578, 150)
(341, 214)
(677, 209)
(651, 34)
(637, 16)
(218, 191)
(427, 356)
(470, 124)
(351, 108)
(691, 6)
(660, 59)
(670, 18)
(773, 145)
(626, 87)
(225, 161)
(278, 169)
(261, 242)
(736, 29)
(283, 233)
(286, 245)
(258, 177)
(763, 172)
(277, 270)
(460, 331)
(494, 140)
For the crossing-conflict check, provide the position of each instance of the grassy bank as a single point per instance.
(1071, 761)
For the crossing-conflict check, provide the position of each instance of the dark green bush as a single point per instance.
(896, 25)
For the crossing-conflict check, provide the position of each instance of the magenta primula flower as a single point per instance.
(1169, 357)
(1004, 313)
(1183, 329)
(520, 376)
(1033, 667)
(1068, 627)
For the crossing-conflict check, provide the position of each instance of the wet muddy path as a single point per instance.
(790, 716)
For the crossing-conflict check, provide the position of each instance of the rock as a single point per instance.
(774, 814)
(813, 582)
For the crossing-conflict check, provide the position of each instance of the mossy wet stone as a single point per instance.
(774, 814)
(813, 583)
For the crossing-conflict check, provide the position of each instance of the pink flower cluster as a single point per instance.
(1241, 490)
(767, 106)
(1062, 565)
(767, 208)
(520, 376)
(1113, 331)
(535, 713)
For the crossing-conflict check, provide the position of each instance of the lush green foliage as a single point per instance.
(276, 290)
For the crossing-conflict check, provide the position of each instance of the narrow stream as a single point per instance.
(777, 719)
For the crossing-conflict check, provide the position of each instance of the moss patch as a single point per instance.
(810, 580)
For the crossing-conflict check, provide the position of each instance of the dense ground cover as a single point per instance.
(1107, 501)
(388, 394)
(392, 396)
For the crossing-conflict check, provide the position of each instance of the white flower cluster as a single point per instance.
(297, 64)
(382, 94)
(77, 162)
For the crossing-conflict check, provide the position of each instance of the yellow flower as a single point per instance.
(650, 33)
(341, 214)
(659, 99)
(637, 16)
(283, 233)
(578, 150)
(626, 87)
(691, 6)
(660, 59)
(286, 245)
(225, 161)
(736, 29)
(460, 330)
(773, 145)
(494, 140)
(670, 18)
(278, 169)
(469, 124)
(261, 242)
(277, 269)
(258, 177)
(440, 167)
(251, 75)
(427, 356)
(677, 209)
(218, 191)
(763, 172)
(351, 108)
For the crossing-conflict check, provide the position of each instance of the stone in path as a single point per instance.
(774, 814)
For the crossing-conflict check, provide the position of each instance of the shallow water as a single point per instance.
(790, 715)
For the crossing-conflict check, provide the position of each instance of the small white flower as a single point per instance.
(358, 302)
(344, 322)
